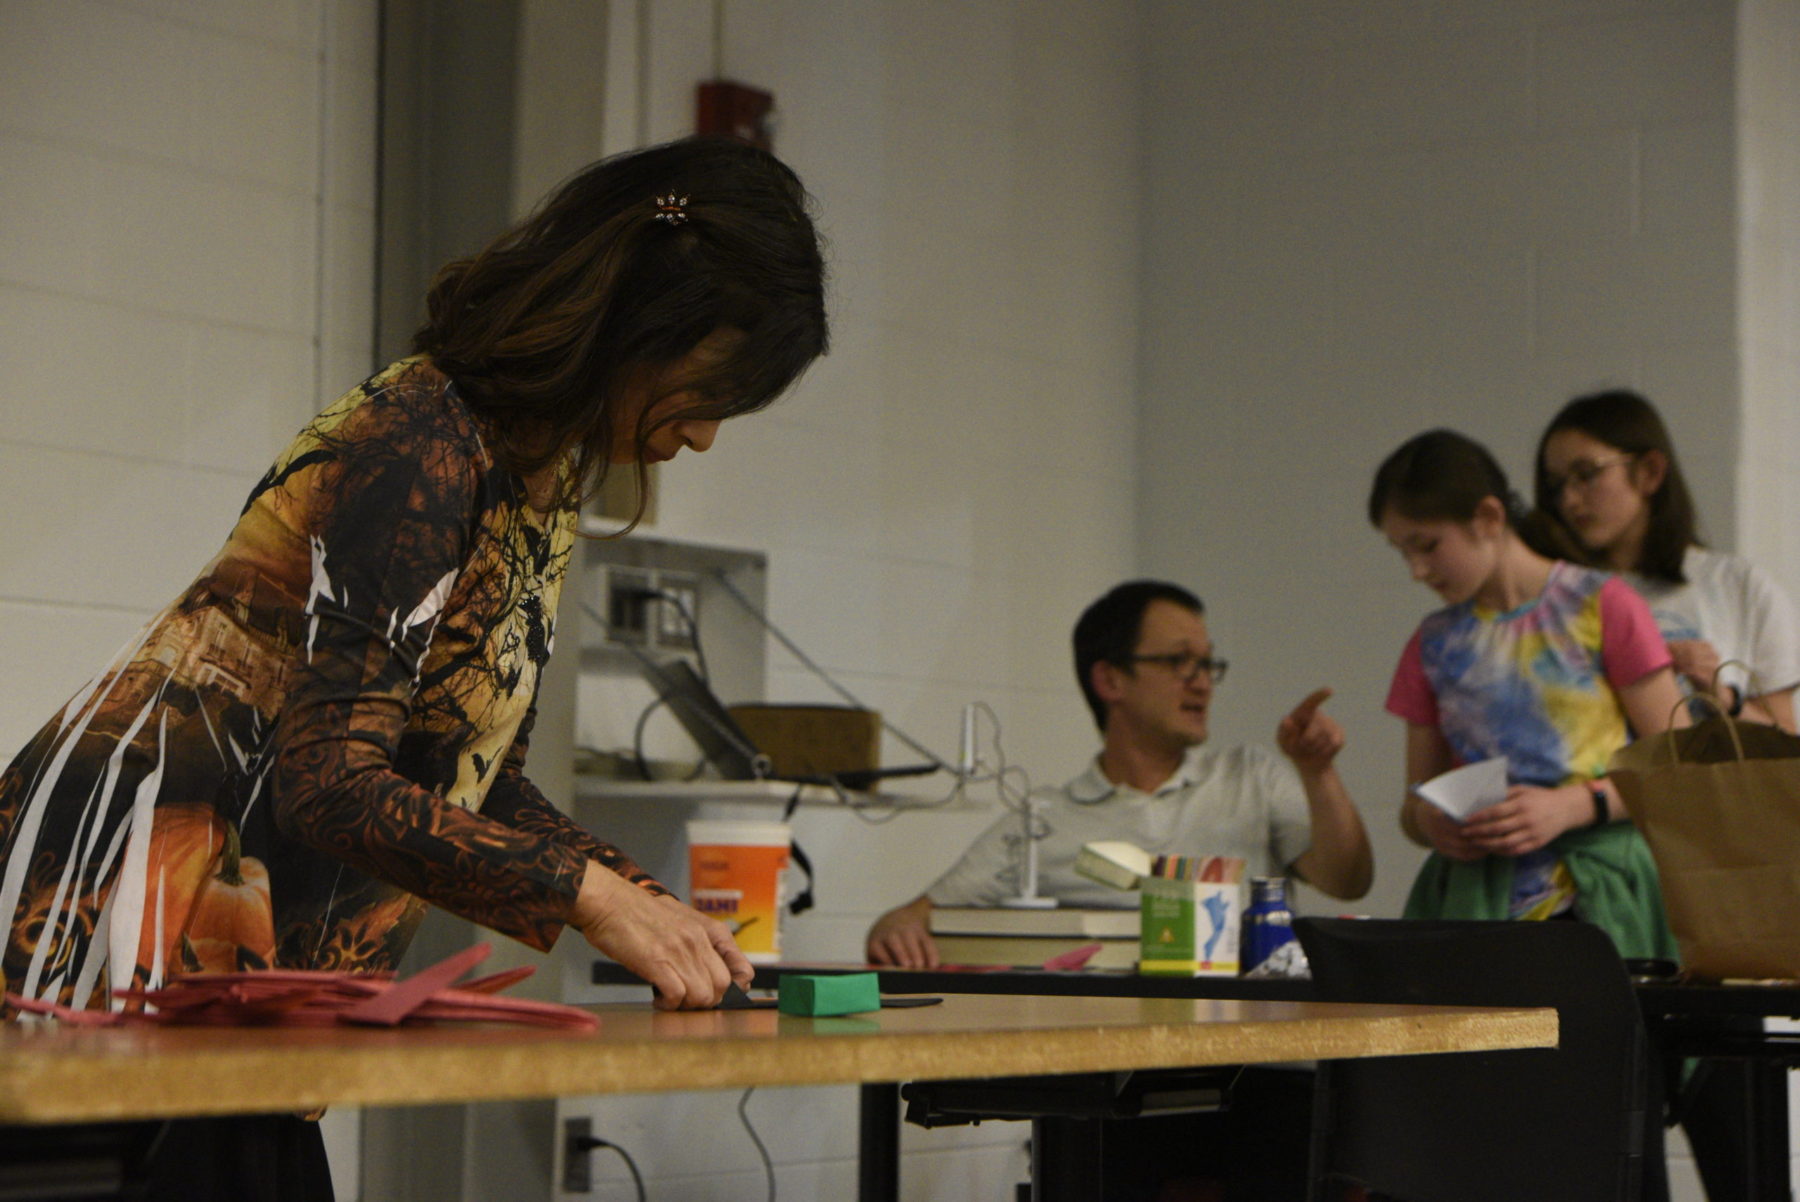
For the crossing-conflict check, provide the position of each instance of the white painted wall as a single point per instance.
(1768, 96)
(1768, 177)
(951, 484)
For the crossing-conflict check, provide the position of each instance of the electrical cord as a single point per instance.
(637, 739)
(660, 678)
(1012, 785)
(744, 1117)
(736, 594)
(637, 734)
(1003, 765)
(874, 811)
(637, 745)
(1011, 798)
(667, 598)
(693, 625)
(588, 1143)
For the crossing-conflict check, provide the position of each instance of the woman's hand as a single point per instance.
(1528, 819)
(1698, 661)
(1441, 832)
(902, 937)
(687, 957)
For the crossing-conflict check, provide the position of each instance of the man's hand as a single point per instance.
(687, 957)
(902, 937)
(1310, 737)
(1528, 819)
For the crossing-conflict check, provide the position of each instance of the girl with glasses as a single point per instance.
(1545, 662)
(1606, 468)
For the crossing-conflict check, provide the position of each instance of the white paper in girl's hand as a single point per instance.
(1461, 791)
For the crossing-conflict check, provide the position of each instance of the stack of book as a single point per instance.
(1029, 938)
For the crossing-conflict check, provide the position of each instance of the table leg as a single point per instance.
(1067, 1159)
(878, 1145)
(1769, 1132)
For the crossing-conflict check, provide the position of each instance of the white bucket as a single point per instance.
(736, 873)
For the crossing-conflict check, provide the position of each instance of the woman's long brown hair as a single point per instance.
(542, 329)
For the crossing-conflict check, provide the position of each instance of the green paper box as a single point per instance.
(1189, 928)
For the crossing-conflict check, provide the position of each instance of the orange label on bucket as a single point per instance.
(740, 885)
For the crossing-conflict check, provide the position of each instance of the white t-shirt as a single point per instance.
(1737, 608)
(1240, 801)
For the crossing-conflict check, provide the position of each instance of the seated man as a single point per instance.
(1146, 666)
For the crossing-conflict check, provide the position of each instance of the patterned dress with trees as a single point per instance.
(325, 732)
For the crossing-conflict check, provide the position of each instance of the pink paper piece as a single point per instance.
(1074, 958)
(304, 998)
(403, 997)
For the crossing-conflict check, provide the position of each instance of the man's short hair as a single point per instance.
(1107, 631)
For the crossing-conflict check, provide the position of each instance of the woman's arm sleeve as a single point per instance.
(389, 515)
(1774, 632)
(518, 803)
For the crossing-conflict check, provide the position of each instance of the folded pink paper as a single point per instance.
(302, 998)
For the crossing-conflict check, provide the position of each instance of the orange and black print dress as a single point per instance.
(323, 733)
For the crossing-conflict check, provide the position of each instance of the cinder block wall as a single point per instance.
(184, 274)
(1136, 286)
(186, 217)
(945, 490)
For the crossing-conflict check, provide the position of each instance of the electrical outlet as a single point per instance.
(628, 605)
(578, 1156)
(677, 610)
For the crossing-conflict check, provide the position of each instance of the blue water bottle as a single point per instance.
(1268, 923)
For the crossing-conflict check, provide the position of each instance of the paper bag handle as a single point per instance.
(1737, 743)
(1753, 685)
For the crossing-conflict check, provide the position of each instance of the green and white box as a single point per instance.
(1189, 928)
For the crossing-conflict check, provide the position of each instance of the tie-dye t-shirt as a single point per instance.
(326, 729)
(1537, 684)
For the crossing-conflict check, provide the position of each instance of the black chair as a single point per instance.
(1575, 1122)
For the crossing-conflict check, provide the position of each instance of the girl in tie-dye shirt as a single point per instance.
(1551, 665)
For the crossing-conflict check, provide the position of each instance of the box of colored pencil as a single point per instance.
(1226, 869)
(1190, 909)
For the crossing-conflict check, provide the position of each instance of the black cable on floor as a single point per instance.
(744, 1117)
(588, 1143)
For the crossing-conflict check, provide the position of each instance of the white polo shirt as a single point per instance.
(1241, 801)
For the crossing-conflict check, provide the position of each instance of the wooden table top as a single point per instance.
(52, 1074)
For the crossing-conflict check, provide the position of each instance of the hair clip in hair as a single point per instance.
(672, 209)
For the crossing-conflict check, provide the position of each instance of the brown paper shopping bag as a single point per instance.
(1719, 804)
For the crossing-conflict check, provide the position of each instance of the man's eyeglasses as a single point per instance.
(1583, 472)
(1186, 667)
